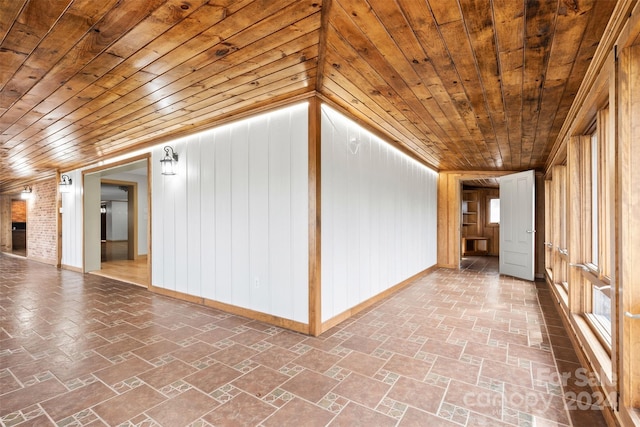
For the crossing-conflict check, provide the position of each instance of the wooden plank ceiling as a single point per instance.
(461, 84)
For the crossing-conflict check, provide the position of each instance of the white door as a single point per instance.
(517, 225)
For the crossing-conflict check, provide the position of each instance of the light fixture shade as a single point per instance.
(168, 163)
(26, 193)
(65, 184)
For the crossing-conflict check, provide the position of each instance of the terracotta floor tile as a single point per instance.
(194, 352)
(183, 409)
(286, 339)
(456, 369)
(361, 344)
(249, 337)
(260, 381)
(415, 418)
(234, 354)
(362, 390)
(214, 335)
(76, 400)
(119, 347)
(298, 413)
(80, 368)
(401, 346)
(128, 405)
(361, 363)
(25, 397)
(155, 350)
(309, 385)
(357, 415)
(166, 374)
(275, 357)
(317, 360)
(417, 394)
(439, 348)
(505, 373)
(408, 366)
(242, 410)
(212, 377)
(124, 370)
(452, 348)
(481, 400)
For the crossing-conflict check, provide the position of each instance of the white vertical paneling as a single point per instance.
(207, 215)
(222, 214)
(72, 222)
(258, 219)
(299, 216)
(240, 267)
(181, 217)
(91, 216)
(280, 214)
(157, 222)
(378, 216)
(167, 212)
(194, 227)
(232, 224)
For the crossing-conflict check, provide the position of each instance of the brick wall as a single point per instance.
(18, 211)
(42, 244)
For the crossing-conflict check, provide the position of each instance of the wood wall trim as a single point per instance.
(374, 299)
(449, 212)
(233, 309)
(71, 268)
(315, 211)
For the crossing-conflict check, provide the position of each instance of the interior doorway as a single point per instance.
(480, 224)
(19, 227)
(116, 222)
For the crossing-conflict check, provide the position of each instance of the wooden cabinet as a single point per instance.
(474, 241)
(470, 212)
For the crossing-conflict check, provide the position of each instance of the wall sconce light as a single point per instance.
(353, 145)
(169, 161)
(65, 184)
(26, 193)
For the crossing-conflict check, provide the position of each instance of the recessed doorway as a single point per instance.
(116, 230)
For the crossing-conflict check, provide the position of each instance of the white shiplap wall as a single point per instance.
(232, 224)
(379, 215)
(72, 222)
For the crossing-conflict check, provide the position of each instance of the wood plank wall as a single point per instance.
(629, 248)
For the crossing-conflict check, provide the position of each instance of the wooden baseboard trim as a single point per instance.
(233, 309)
(369, 302)
(454, 266)
(280, 322)
(71, 268)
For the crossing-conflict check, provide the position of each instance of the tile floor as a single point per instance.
(456, 348)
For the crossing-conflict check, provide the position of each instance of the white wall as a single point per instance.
(379, 215)
(232, 224)
(72, 222)
(117, 220)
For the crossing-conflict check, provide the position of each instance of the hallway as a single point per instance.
(455, 348)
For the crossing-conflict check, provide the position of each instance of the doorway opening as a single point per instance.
(480, 225)
(116, 226)
(19, 227)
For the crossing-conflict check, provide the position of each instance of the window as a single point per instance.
(594, 199)
(597, 286)
(494, 211)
